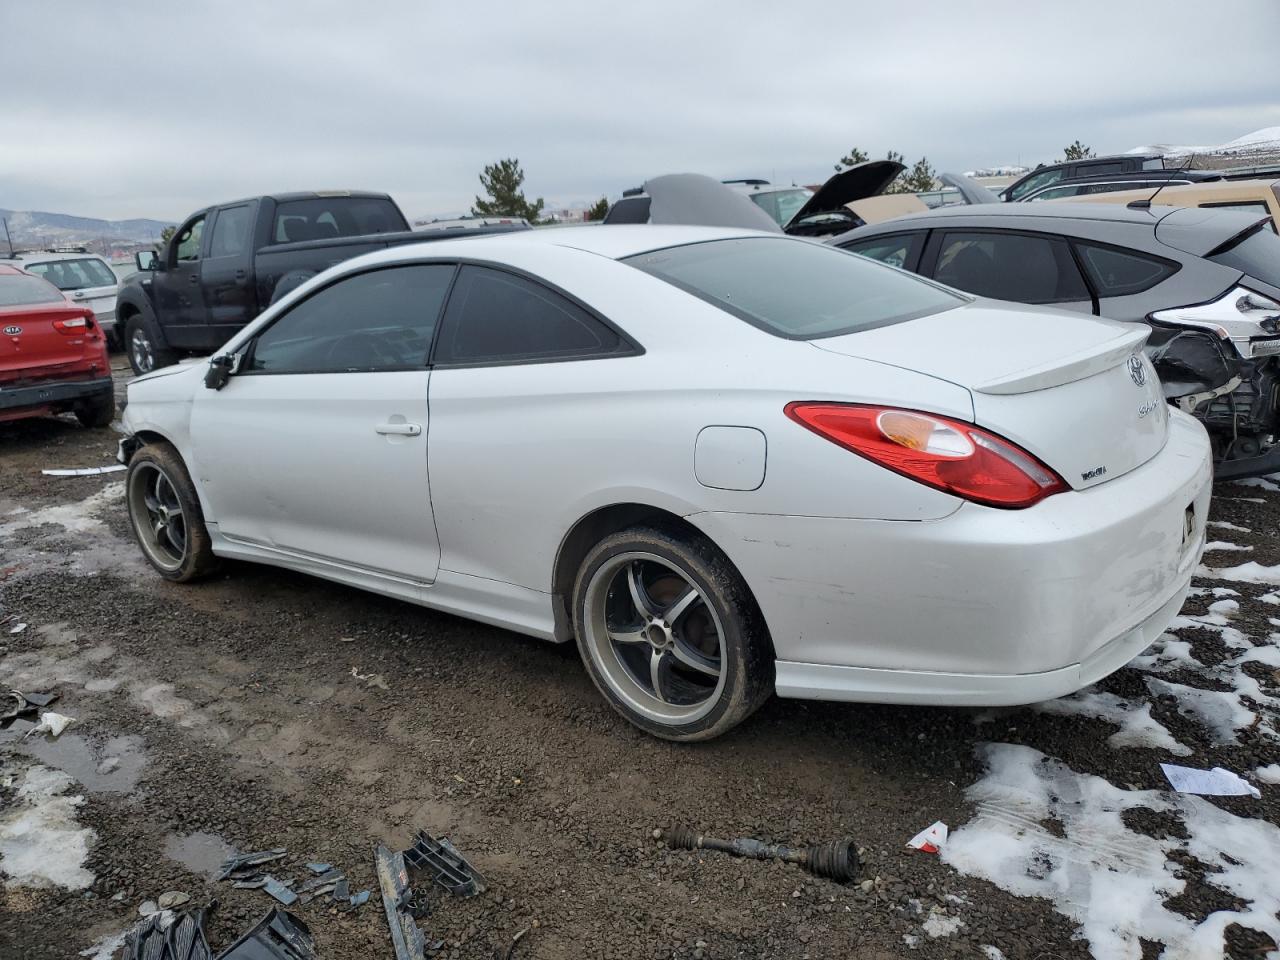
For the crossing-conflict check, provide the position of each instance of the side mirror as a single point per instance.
(220, 370)
(145, 259)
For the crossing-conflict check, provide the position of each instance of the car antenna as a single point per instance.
(1146, 204)
(7, 237)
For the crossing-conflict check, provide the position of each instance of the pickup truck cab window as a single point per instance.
(322, 218)
(187, 243)
(374, 321)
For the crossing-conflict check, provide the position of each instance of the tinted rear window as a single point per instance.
(18, 290)
(794, 288)
(327, 217)
(1256, 254)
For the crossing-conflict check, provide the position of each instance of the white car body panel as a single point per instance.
(873, 586)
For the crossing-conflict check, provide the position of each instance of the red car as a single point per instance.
(53, 355)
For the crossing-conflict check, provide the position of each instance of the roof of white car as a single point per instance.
(45, 256)
(614, 242)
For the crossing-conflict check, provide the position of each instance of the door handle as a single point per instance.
(193, 278)
(399, 429)
(239, 274)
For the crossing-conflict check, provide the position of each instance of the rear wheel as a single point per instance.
(98, 411)
(165, 515)
(671, 635)
(147, 351)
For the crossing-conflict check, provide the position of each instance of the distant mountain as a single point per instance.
(32, 227)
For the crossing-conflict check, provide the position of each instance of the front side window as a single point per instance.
(1024, 268)
(1255, 253)
(375, 321)
(74, 274)
(1120, 273)
(1036, 181)
(231, 232)
(896, 251)
(18, 290)
(188, 247)
(794, 288)
(497, 317)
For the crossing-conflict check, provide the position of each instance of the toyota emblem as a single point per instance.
(1137, 370)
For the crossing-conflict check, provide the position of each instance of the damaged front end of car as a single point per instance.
(1220, 362)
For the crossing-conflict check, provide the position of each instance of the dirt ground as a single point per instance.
(229, 715)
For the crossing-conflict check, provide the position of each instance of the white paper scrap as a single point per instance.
(1209, 783)
(84, 471)
(931, 839)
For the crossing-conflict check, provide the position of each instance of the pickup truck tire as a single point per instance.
(147, 349)
(97, 411)
(165, 515)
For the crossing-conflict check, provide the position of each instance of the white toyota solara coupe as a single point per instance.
(727, 464)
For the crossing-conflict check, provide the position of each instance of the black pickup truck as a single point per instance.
(228, 262)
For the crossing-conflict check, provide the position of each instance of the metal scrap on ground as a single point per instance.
(836, 860)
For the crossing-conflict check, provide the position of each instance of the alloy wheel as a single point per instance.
(157, 515)
(655, 637)
(140, 352)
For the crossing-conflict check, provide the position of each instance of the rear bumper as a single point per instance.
(49, 394)
(984, 606)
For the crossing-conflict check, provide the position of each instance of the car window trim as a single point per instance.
(943, 232)
(1098, 295)
(628, 345)
(250, 346)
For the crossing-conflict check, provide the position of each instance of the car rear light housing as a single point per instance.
(76, 326)
(949, 455)
(1248, 319)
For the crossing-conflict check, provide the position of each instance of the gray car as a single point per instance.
(1206, 281)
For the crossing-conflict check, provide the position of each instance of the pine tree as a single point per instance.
(920, 178)
(502, 181)
(598, 209)
(852, 159)
(1078, 151)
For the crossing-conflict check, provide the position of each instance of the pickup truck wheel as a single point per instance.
(165, 515)
(146, 350)
(98, 411)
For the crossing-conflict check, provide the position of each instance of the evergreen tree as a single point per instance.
(598, 209)
(1078, 151)
(502, 181)
(852, 159)
(920, 178)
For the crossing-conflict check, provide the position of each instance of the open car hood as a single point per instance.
(691, 199)
(970, 189)
(863, 180)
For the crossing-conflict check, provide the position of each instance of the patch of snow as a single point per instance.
(1224, 525)
(1268, 774)
(1137, 727)
(911, 940)
(1251, 572)
(1272, 598)
(1223, 545)
(105, 948)
(41, 843)
(1264, 482)
(1228, 609)
(1108, 879)
(72, 517)
(941, 925)
(992, 953)
(1218, 711)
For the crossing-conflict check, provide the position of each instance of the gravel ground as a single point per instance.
(235, 721)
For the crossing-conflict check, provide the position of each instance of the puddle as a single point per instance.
(201, 853)
(112, 767)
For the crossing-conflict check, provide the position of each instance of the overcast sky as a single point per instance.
(136, 109)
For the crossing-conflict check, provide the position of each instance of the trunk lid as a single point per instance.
(868, 179)
(33, 349)
(1076, 391)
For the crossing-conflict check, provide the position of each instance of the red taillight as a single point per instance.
(948, 454)
(75, 326)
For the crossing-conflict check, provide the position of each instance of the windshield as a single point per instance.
(74, 274)
(1255, 253)
(782, 205)
(795, 288)
(17, 290)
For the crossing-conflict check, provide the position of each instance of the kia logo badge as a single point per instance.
(12, 331)
(1137, 371)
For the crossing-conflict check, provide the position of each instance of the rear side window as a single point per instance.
(231, 232)
(1024, 268)
(17, 290)
(376, 321)
(629, 210)
(323, 218)
(1255, 253)
(497, 317)
(74, 274)
(899, 250)
(794, 288)
(1119, 273)
(1036, 181)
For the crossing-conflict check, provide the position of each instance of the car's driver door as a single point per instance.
(317, 446)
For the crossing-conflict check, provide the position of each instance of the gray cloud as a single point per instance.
(120, 109)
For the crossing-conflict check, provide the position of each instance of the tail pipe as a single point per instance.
(836, 860)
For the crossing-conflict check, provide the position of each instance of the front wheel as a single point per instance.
(147, 351)
(165, 515)
(671, 635)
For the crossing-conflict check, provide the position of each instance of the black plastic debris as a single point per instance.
(15, 703)
(169, 936)
(393, 877)
(277, 936)
(279, 889)
(318, 868)
(837, 860)
(445, 864)
(240, 866)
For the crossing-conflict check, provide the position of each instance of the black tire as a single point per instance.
(177, 558)
(146, 347)
(97, 411)
(745, 659)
